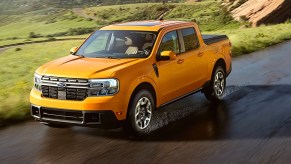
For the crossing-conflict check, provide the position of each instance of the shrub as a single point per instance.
(57, 34)
(79, 31)
(260, 35)
(12, 38)
(72, 31)
(243, 18)
(33, 35)
(17, 49)
(162, 8)
(50, 21)
(51, 39)
(104, 15)
(89, 19)
(288, 21)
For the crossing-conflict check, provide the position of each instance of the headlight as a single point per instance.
(102, 87)
(37, 81)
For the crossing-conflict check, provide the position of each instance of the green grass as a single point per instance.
(123, 13)
(249, 40)
(207, 13)
(41, 22)
(17, 69)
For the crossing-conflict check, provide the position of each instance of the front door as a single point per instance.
(172, 79)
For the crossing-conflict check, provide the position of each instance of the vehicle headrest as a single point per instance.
(128, 41)
(149, 37)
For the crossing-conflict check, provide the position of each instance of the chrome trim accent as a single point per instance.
(38, 111)
(59, 120)
(72, 80)
(55, 85)
(60, 115)
(68, 83)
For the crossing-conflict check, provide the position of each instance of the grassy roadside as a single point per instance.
(249, 40)
(17, 73)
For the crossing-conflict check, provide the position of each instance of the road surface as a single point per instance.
(252, 125)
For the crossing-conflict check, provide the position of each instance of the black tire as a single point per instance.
(215, 90)
(140, 125)
(60, 126)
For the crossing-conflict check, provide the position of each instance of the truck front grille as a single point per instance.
(64, 88)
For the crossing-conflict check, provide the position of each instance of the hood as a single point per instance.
(77, 67)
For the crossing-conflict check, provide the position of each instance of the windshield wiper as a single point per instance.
(112, 57)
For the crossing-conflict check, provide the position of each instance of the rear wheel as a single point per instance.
(140, 114)
(215, 91)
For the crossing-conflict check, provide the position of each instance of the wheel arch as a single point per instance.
(144, 85)
(220, 62)
(207, 87)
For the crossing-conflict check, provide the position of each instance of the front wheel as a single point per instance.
(140, 114)
(215, 91)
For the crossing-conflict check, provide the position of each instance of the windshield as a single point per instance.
(118, 44)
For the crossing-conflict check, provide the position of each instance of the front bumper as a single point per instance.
(112, 103)
(98, 119)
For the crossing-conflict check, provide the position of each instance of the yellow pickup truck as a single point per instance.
(122, 73)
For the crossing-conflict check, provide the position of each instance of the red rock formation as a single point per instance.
(264, 11)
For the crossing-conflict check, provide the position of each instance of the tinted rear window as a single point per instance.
(190, 38)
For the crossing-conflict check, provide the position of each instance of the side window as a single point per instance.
(190, 38)
(170, 43)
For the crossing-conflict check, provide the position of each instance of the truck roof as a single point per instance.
(148, 25)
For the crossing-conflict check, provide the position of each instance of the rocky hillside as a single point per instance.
(260, 11)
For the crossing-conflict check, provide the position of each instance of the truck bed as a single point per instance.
(210, 39)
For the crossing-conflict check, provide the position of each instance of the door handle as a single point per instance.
(200, 54)
(180, 61)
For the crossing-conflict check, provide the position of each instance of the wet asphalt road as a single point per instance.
(252, 125)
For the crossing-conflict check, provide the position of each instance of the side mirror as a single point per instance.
(73, 50)
(167, 55)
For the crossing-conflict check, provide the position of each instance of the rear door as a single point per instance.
(194, 58)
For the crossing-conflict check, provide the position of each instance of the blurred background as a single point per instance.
(252, 124)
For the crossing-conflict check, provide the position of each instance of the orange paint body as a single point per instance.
(187, 73)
